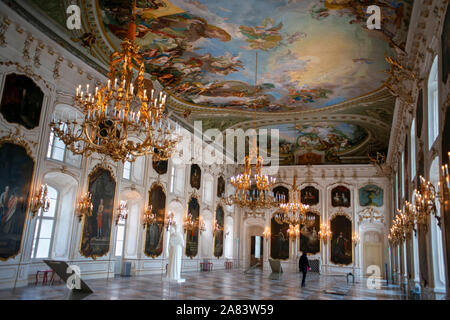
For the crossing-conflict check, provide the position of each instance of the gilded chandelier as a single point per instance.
(425, 202)
(325, 232)
(403, 225)
(118, 111)
(85, 206)
(252, 193)
(190, 223)
(122, 213)
(149, 217)
(40, 201)
(293, 211)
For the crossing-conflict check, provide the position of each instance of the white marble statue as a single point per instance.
(176, 245)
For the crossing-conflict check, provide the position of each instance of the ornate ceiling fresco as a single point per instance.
(318, 64)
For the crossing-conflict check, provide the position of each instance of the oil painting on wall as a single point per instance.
(196, 176)
(279, 240)
(220, 187)
(310, 196)
(160, 166)
(192, 235)
(204, 51)
(340, 197)
(371, 195)
(341, 240)
(154, 233)
(22, 101)
(309, 235)
(96, 234)
(16, 174)
(219, 233)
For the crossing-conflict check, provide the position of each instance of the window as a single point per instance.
(43, 233)
(134, 171)
(413, 149)
(120, 234)
(172, 179)
(433, 104)
(127, 170)
(57, 151)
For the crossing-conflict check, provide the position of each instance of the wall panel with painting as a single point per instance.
(340, 197)
(279, 240)
(192, 235)
(154, 233)
(341, 240)
(219, 233)
(22, 101)
(16, 174)
(309, 237)
(96, 230)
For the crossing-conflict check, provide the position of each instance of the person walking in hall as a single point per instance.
(303, 266)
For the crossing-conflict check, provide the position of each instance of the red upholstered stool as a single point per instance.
(228, 265)
(45, 276)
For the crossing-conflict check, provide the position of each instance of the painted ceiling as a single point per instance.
(320, 69)
(312, 53)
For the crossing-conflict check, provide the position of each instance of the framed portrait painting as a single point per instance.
(309, 235)
(340, 197)
(154, 233)
(22, 101)
(279, 240)
(16, 174)
(218, 233)
(192, 235)
(196, 176)
(341, 240)
(96, 230)
(310, 196)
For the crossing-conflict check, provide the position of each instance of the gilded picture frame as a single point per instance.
(20, 143)
(86, 248)
(192, 237)
(157, 230)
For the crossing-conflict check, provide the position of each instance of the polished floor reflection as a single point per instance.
(218, 285)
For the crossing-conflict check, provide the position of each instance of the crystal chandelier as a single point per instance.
(253, 192)
(120, 110)
(40, 201)
(85, 206)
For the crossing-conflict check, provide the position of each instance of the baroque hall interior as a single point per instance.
(148, 146)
